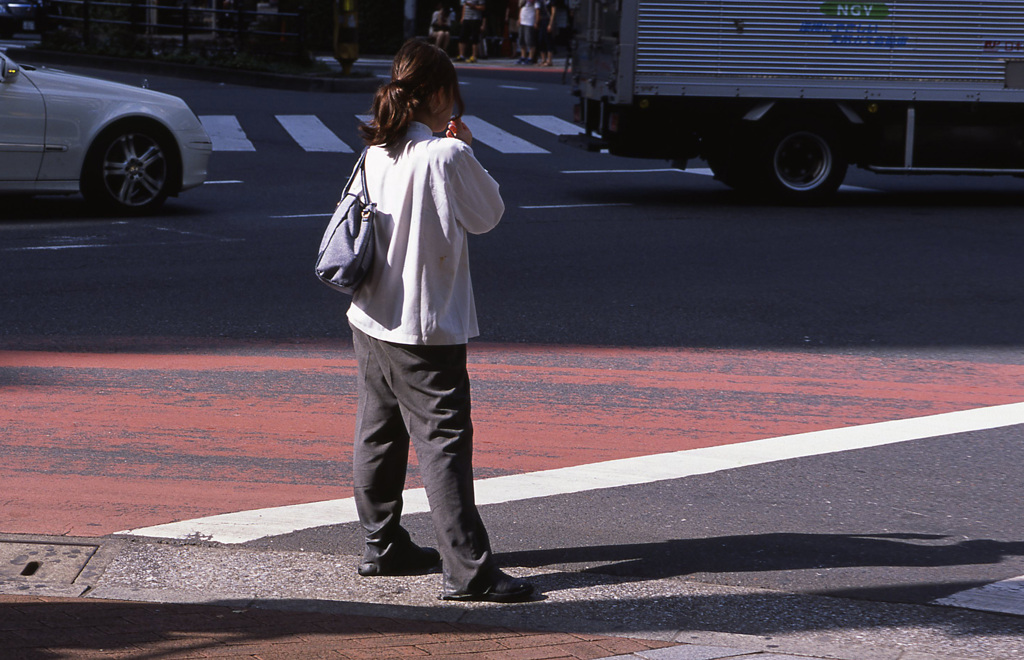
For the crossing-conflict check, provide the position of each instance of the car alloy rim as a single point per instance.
(135, 169)
(803, 161)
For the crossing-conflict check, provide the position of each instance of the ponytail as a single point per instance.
(419, 71)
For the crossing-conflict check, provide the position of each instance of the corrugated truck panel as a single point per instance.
(939, 40)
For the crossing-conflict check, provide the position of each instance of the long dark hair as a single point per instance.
(418, 72)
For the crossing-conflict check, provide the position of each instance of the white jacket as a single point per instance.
(429, 193)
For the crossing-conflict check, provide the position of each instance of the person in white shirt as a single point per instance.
(411, 319)
(529, 22)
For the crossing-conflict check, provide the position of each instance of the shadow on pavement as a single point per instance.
(772, 552)
(764, 553)
(47, 628)
(44, 628)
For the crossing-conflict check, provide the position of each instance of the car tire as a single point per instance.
(798, 162)
(129, 169)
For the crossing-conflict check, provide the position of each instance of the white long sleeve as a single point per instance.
(430, 192)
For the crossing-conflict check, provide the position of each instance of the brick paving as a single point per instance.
(36, 627)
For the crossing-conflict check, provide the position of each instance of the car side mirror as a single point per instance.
(8, 70)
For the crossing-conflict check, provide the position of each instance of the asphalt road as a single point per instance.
(898, 299)
(611, 258)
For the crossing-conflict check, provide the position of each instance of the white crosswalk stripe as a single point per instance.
(311, 134)
(500, 140)
(226, 133)
(551, 124)
(494, 137)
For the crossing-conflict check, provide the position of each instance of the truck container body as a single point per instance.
(780, 96)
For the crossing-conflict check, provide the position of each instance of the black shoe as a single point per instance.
(502, 589)
(406, 559)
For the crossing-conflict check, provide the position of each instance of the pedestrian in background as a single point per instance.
(440, 28)
(472, 25)
(544, 26)
(529, 17)
(411, 320)
(511, 42)
(557, 28)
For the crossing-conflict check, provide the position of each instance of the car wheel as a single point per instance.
(799, 163)
(128, 170)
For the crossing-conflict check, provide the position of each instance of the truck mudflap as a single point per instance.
(583, 141)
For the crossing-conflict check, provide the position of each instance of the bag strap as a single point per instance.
(361, 169)
(362, 175)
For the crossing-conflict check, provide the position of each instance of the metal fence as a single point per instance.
(240, 25)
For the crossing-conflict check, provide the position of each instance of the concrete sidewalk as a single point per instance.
(142, 598)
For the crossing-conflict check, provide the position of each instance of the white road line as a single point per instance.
(498, 139)
(311, 134)
(704, 171)
(76, 246)
(529, 89)
(574, 206)
(551, 124)
(250, 525)
(218, 183)
(661, 169)
(1006, 596)
(226, 133)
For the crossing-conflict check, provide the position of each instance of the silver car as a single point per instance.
(124, 148)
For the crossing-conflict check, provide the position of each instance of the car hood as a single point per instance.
(54, 81)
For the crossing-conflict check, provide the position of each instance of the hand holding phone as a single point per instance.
(458, 129)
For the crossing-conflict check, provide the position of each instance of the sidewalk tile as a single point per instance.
(695, 653)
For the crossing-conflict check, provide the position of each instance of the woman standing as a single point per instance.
(411, 319)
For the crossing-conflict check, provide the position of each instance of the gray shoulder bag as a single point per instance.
(346, 250)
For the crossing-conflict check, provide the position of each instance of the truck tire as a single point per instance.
(798, 162)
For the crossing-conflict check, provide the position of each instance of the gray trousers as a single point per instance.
(422, 393)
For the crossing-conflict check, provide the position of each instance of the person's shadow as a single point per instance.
(779, 552)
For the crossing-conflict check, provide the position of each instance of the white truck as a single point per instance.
(781, 96)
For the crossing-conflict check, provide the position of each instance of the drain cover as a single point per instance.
(43, 563)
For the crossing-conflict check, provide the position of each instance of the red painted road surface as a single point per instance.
(108, 437)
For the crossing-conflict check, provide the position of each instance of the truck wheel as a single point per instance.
(797, 163)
